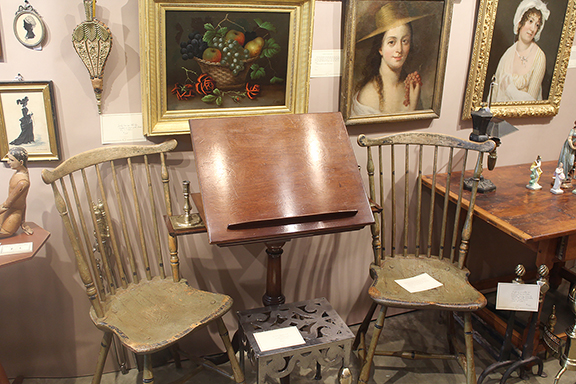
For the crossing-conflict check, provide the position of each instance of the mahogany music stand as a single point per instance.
(272, 178)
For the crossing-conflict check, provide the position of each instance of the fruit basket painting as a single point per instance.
(223, 59)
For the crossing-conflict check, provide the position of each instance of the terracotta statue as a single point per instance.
(13, 209)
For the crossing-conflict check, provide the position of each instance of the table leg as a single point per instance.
(273, 295)
(548, 250)
(3, 377)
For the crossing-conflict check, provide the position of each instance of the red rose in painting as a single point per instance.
(205, 84)
(252, 91)
(183, 92)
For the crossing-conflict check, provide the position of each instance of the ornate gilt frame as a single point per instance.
(480, 58)
(42, 110)
(158, 119)
(353, 21)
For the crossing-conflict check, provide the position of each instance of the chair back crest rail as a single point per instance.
(107, 198)
(406, 221)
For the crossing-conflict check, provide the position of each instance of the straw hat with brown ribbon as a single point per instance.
(391, 15)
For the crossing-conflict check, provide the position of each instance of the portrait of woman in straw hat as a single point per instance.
(386, 87)
(522, 67)
(394, 59)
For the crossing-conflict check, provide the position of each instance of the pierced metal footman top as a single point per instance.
(328, 339)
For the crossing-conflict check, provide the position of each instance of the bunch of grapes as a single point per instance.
(411, 81)
(194, 46)
(233, 54)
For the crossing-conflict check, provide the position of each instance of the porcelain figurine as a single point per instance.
(13, 209)
(535, 172)
(558, 179)
(567, 154)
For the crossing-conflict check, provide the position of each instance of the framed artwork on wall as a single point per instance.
(394, 59)
(28, 26)
(523, 47)
(223, 58)
(28, 119)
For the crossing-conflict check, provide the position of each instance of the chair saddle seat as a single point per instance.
(162, 312)
(456, 293)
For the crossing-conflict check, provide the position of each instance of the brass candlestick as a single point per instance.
(188, 220)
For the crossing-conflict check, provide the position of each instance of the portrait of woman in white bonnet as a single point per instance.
(522, 67)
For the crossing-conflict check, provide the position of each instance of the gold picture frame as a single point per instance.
(175, 88)
(28, 119)
(365, 24)
(495, 36)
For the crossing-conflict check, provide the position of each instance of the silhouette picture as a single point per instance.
(26, 124)
(29, 25)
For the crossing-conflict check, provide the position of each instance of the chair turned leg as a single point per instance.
(147, 375)
(104, 348)
(175, 351)
(451, 333)
(365, 372)
(223, 331)
(361, 333)
(468, 338)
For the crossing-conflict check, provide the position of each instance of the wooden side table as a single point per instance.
(540, 220)
(38, 238)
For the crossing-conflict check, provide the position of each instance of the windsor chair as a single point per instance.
(111, 196)
(413, 235)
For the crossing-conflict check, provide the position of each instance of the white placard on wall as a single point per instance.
(121, 128)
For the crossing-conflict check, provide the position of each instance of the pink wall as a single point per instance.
(44, 324)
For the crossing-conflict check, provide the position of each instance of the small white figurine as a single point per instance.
(535, 172)
(558, 178)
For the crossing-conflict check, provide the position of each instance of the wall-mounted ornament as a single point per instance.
(92, 40)
(28, 26)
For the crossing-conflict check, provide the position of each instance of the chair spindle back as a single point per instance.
(101, 196)
(405, 222)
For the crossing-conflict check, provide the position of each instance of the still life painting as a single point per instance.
(226, 59)
(223, 59)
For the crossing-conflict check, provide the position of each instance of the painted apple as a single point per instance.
(212, 54)
(254, 47)
(235, 35)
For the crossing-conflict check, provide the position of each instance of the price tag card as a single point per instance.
(518, 297)
(279, 338)
(422, 282)
(10, 249)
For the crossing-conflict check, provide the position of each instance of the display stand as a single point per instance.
(38, 238)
